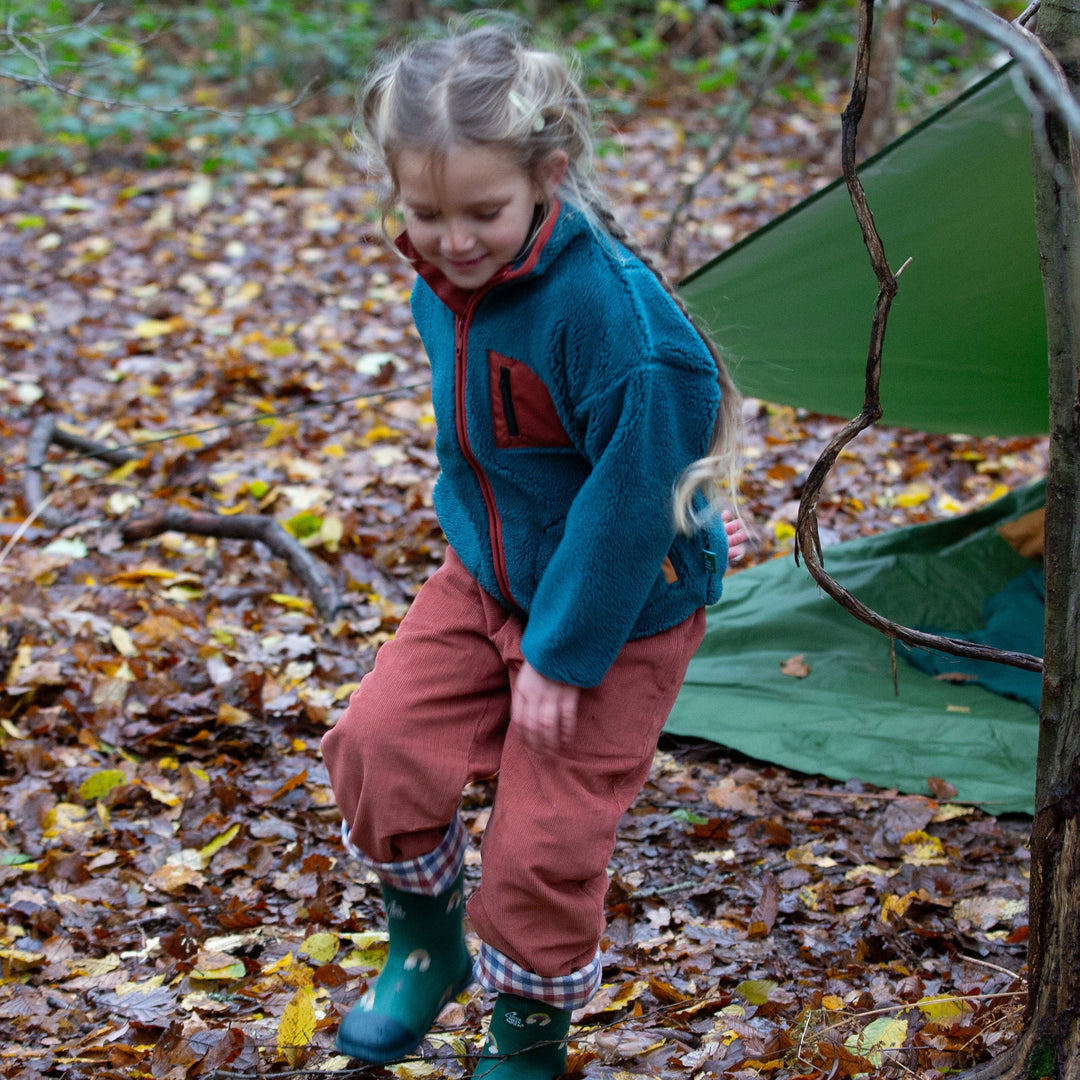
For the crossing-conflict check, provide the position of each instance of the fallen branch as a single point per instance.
(312, 574)
(807, 540)
(266, 530)
(45, 432)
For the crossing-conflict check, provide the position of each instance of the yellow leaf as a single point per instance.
(122, 642)
(65, 817)
(280, 430)
(233, 970)
(279, 965)
(96, 966)
(21, 959)
(152, 328)
(141, 573)
(414, 1070)
(379, 433)
(244, 295)
(321, 947)
(894, 908)
(344, 691)
(885, 1033)
(943, 1008)
(231, 716)
(331, 532)
(15, 733)
(162, 795)
(784, 530)
(756, 991)
(20, 320)
(123, 471)
(219, 841)
(297, 603)
(279, 347)
(832, 1002)
(99, 784)
(913, 495)
(298, 1020)
(922, 849)
(368, 952)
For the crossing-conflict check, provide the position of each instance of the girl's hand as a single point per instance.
(737, 536)
(544, 710)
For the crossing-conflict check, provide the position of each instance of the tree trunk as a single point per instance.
(1054, 1005)
(878, 125)
(1050, 1045)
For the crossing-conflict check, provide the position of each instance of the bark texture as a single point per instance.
(1051, 1046)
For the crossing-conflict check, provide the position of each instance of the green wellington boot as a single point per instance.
(526, 1041)
(426, 966)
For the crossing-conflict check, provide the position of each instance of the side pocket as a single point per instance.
(523, 414)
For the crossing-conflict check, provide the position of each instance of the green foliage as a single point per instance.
(223, 81)
(212, 80)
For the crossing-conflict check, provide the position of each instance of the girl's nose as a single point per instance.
(457, 239)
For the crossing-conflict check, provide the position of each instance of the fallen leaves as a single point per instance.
(174, 898)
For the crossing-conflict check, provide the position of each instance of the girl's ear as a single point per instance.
(551, 172)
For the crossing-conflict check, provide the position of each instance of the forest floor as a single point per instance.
(174, 896)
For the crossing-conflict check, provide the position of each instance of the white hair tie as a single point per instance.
(522, 107)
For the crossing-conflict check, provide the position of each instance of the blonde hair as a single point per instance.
(485, 86)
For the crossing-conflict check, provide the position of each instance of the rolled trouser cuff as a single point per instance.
(498, 973)
(430, 874)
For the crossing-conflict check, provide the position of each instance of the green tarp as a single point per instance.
(965, 352)
(790, 306)
(843, 719)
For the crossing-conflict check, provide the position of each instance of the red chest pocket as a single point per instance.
(522, 412)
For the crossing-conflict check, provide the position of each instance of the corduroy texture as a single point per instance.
(571, 524)
(433, 715)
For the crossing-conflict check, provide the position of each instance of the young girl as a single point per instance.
(581, 421)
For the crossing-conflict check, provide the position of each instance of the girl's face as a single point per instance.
(469, 213)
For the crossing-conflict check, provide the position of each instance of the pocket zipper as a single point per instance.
(508, 402)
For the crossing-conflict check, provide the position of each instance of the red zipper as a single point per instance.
(461, 350)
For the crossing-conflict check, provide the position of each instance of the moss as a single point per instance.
(1042, 1062)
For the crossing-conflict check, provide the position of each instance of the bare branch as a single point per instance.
(808, 543)
(32, 48)
(758, 86)
(1029, 13)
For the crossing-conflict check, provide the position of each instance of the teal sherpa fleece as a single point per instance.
(585, 393)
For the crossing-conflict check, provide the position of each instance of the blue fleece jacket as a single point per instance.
(570, 393)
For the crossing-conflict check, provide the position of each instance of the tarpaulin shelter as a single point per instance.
(790, 306)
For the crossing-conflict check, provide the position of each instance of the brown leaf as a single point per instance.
(940, 789)
(794, 666)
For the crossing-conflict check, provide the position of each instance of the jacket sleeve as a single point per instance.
(641, 433)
